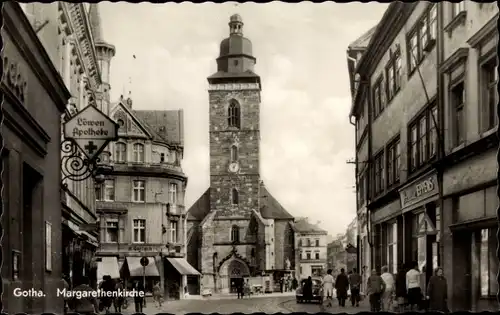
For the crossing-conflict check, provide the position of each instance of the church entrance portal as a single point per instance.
(237, 270)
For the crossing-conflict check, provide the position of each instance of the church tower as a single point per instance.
(105, 52)
(234, 100)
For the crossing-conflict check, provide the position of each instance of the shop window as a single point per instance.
(418, 243)
(488, 263)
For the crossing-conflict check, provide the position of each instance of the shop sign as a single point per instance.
(91, 130)
(145, 248)
(419, 191)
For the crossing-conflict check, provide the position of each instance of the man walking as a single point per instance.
(341, 285)
(374, 288)
(388, 294)
(355, 284)
(139, 297)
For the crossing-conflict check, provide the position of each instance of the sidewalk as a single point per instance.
(229, 296)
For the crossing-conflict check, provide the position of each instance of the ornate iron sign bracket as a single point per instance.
(75, 165)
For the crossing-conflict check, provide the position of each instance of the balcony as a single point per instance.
(177, 210)
(143, 168)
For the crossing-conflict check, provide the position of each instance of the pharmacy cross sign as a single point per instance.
(91, 130)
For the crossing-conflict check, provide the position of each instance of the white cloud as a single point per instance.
(300, 51)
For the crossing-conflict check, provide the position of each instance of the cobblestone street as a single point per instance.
(228, 305)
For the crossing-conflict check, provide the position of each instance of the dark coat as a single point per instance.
(307, 289)
(342, 284)
(437, 290)
(401, 284)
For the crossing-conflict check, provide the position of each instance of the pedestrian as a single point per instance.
(281, 284)
(295, 283)
(139, 296)
(84, 303)
(157, 294)
(414, 292)
(401, 288)
(246, 288)
(437, 292)
(328, 283)
(118, 302)
(67, 289)
(107, 286)
(355, 284)
(341, 286)
(374, 288)
(388, 294)
(239, 289)
(308, 289)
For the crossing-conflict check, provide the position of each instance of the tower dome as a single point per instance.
(236, 61)
(236, 43)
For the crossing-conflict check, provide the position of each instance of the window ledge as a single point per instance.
(489, 132)
(134, 201)
(455, 22)
(458, 147)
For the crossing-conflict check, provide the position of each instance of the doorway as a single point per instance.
(234, 284)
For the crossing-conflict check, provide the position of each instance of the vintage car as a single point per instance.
(317, 292)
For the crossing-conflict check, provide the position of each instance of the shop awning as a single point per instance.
(136, 270)
(108, 266)
(183, 267)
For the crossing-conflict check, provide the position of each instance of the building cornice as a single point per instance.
(458, 56)
(83, 37)
(488, 31)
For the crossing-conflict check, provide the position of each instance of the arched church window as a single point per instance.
(233, 114)
(234, 153)
(234, 196)
(235, 234)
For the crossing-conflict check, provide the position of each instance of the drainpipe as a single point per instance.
(441, 153)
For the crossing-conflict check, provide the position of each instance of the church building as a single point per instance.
(237, 229)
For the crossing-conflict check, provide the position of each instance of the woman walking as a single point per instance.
(437, 292)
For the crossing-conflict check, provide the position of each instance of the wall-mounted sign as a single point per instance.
(16, 257)
(424, 188)
(91, 130)
(48, 246)
(145, 248)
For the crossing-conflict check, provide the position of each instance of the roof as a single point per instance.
(270, 208)
(164, 125)
(363, 40)
(200, 208)
(303, 226)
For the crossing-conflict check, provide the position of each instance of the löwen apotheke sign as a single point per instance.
(421, 190)
(91, 130)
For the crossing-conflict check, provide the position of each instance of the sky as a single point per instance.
(306, 137)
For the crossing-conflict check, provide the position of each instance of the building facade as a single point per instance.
(311, 249)
(469, 78)
(237, 229)
(68, 33)
(141, 201)
(33, 99)
(420, 123)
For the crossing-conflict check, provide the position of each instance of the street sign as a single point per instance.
(91, 130)
(144, 261)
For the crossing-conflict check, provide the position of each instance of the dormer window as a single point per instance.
(233, 114)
